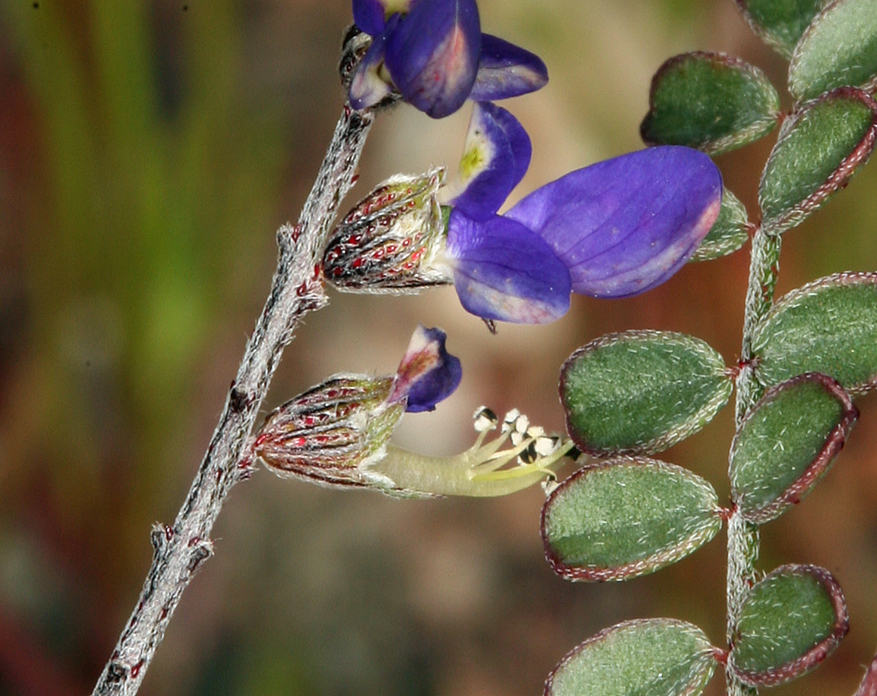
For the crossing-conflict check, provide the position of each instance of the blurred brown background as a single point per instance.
(148, 151)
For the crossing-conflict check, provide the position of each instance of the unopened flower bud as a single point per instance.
(328, 432)
(389, 241)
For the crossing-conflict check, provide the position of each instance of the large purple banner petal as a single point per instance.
(625, 225)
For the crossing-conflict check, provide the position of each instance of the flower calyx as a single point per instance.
(390, 241)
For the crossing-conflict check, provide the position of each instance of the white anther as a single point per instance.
(485, 420)
(522, 423)
(550, 484)
(510, 418)
(545, 445)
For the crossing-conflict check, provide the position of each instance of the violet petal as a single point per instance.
(506, 70)
(495, 159)
(428, 373)
(504, 271)
(432, 55)
(627, 224)
(367, 85)
(370, 16)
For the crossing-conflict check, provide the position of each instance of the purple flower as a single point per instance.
(614, 229)
(338, 434)
(434, 54)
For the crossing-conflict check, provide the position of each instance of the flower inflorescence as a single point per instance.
(614, 229)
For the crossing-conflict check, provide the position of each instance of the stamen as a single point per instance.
(522, 424)
(535, 431)
(550, 483)
(528, 456)
(488, 468)
(514, 472)
(534, 450)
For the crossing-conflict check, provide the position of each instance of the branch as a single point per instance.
(296, 289)
(743, 538)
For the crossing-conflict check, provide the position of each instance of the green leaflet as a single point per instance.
(787, 443)
(839, 49)
(627, 517)
(780, 23)
(818, 150)
(709, 101)
(646, 657)
(827, 326)
(639, 392)
(791, 621)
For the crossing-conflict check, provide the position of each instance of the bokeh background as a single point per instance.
(148, 151)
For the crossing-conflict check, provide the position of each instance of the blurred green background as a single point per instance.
(148, 151)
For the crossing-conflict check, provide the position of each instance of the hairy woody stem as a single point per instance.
(297, 288)
(743, 539)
